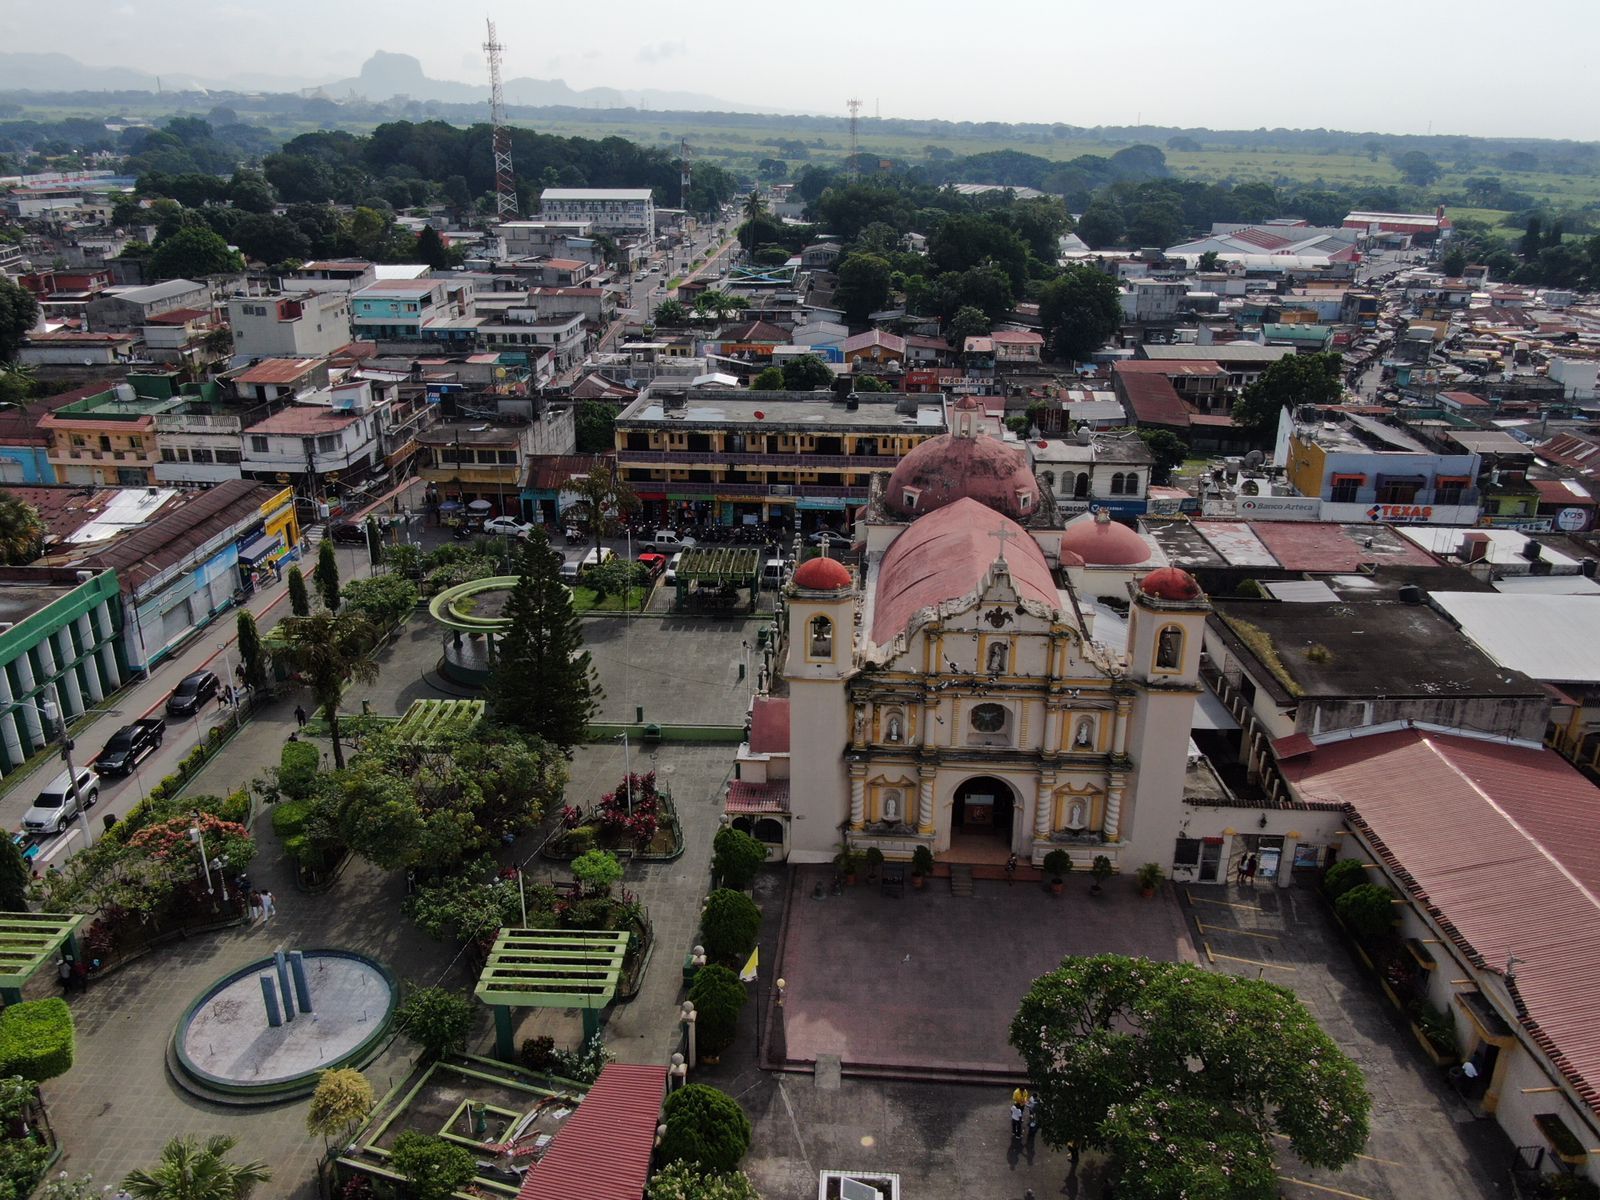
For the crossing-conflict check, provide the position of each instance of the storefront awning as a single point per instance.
(262, 547)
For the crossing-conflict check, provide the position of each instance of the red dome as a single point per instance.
(822, 575)
(950, 467)
(1170, 583)
(1101, 542)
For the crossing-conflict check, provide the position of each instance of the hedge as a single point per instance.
(1345, 874)
(289, 816)
(36, 1039)
(297, 769)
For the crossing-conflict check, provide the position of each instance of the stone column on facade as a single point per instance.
(1113, 821)
(30, 714)
(1054, 718)
(925, 801)
(8, 721)
(91, 665)
(858, 796)
(66, 676)
(1119, 744)
(1044, 804)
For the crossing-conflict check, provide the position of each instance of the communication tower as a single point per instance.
(505, 182)
(855, 114)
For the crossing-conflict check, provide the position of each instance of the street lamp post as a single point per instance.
(54, 713)
(627, 770)
(208, 864)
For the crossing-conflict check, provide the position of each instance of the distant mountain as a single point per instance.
(25, 72)
(386, 75)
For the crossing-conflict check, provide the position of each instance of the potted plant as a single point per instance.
(874, 861)
(848, 863)
(1149, 877)
(1057, 865)
(921, 866)
(1100, 871)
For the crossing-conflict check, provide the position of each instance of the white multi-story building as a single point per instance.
(560, 335)
(290, 325)
(610, 210)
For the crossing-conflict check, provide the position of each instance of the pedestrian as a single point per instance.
(1016, 1122)
(1072, 1156)
(64, 972)
(223, 694)
(269, 906)
(1019, 1094)
(1032, 1109)
(255, 907)
(1011, 870)
(1250, 865)
(300, 716)
(80, 975)
(1238, 872)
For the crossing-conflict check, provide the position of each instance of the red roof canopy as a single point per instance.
(603, 1150)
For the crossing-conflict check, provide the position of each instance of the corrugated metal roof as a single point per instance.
(1497, 842)
(1550, 638)
(603, 1150)
(769, 725)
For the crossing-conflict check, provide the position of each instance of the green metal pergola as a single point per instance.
(28, 941)
(721, 567)
(551, 968)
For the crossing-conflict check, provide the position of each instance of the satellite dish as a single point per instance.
(1044, 444)
(759, 415)
(1254, 459)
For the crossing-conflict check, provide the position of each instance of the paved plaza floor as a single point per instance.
(931, 980)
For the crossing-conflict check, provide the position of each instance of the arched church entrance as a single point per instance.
(980, 820)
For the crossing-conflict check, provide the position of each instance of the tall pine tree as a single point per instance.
(252, 657)
(326, 575)
(543, 682)
(13, 878)
(299, 599)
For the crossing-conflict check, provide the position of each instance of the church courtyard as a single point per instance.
(927, 982)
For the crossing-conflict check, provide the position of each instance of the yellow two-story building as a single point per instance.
(711, 456)
(109, 439)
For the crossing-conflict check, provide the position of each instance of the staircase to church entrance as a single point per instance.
(960, 879)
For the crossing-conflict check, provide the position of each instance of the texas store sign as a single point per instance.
(1402, 514)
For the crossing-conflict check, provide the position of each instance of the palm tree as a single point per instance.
(603, 499)
(671, 313)
(715, 304)
(190, 1171)
(754, 209)
(21, 531)
(328, 650)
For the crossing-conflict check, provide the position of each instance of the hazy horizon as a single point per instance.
(1397, 67)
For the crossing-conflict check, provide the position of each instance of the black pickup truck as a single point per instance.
(129, 744)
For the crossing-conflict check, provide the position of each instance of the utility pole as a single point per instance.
(855, 117)
(505, 183)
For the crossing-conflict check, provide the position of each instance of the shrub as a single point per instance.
(1149, 876)
(922, 861)
(706, 1129)
(582, 1065)
(597, 870)
(680, 1181)
(718, 997)
(1057, 863)
(729, 925)
(343, 1098)
(289, 817)
(579, 841)
(1368, 910)
(437, 1019)
(1345, 874)
(297, 770)
(435, 1168)
(874, 860)
(36, 1039)
(736, 857)
(538, 1052)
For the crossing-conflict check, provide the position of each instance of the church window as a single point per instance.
(1169, 649)
(821, 637)
(1130, 485)
(1116, 484)
(989, 718)
(910, 496)
(1024, 500)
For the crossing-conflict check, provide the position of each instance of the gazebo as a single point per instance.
(551, 968)
(720, 570)
(28, 941)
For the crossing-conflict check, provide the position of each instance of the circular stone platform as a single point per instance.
(225, 1048)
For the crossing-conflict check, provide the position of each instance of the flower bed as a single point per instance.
(642, 826)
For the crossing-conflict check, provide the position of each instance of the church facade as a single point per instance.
(954, 697)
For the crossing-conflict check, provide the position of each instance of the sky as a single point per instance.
(1398, 66)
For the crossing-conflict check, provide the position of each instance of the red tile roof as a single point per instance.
(945, 555)
(1322, 547)
(1153, 399)
(1496, 842)
(277, 370)
(1464, 399)
(178, 316)
(769, 725)
(747, 797)
(300, 420)
(603, 1150)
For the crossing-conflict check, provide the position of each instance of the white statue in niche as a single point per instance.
(892, 728)
(891, 806)
(1075, 812)
(1083, 739)
(997, 658)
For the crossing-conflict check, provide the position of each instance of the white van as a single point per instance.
(773, 572)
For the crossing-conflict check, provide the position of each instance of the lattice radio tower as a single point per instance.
(855, 114)
(505, 181)
(685, 173)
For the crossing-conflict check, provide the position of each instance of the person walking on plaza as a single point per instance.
(1032, 1109)
(1238, 872)
(300, 716)
(1011, 870)
(1250, 865)
(1016, 1122)
(269, 906)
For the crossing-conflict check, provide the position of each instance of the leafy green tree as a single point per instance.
(596, 424)
(14, 878)
(680, 1181)
(385, 600)
(672, 313)
(1101, 225)
(19, 312)
(614, 577)
(597, 871)
(863, 286)
(191, 1170)
(436, 1169)
(985, 287)
(736, 857)
(603, 501)
(1121, 1049)
(729, 924)
(1532, 237)
(543, 681)
(1184, 1147)
(807, 373)
(299, 598)
(326, 575)
(718, 997)
(1169, 450)
(706, 1129)
(1155, 222)
(437, 1019)
(1208, 261)
(716, 304)
(1416, 168)
(252, 655)
(327, 650)
(1293, 380)
(1368, 910)
(342, 1100)
(1080, 310)
(769, 380)
(269, 238)
(968, 322)
(432, 250)
(869, 383)
(1453, 261)
(193, 253)
(22, 531)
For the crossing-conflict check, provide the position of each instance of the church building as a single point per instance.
(953, 694)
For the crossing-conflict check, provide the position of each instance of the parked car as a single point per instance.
(773, 572)
(668, 540)
(508, 527)
(653, 565)
(192, 691)
(569, 571)
(347, 533)
(670, 575)
(57, 803)
(130, 744)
